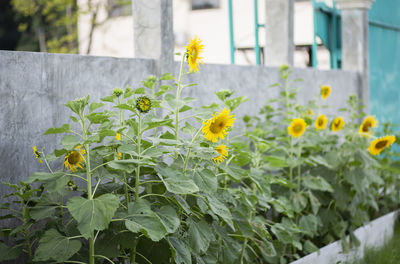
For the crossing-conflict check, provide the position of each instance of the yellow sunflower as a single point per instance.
(379, 144)
(143, 104)
(321, 122)
(297, 127)
(118, 136)
(193, 50)
(216, 127)
(337, 124)
(74, 159)
(325, 91)
(37, 154)
(119, 155)
(223, 154)
(368, 122)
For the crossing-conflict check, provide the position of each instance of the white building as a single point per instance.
(208, 19)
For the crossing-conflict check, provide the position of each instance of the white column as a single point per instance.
(153, 32)
(279, 25)
(355, 49)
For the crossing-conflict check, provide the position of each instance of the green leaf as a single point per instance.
(142, 219)
(175, 181)
(128, 165)
(108, 99)
(235, 102)
(184, 108)
(321, 161)
(139, 91)
(93, 106)
(315, 204)
(54, 246)
(200, 236)
(317, 183)
(206, 181)
(309, 224)
(98, 118)
(169, 218)
(8, 253)
(158, 123)
(163, 89)
(93, 214)
(221, 210)
(128, 149)
(282, 234)
(309, 247)
(69, 142)
(126, 107)
(181, 251)
(63, 129)
(53, 182)
(276, 161)
(166, 76)
(224, 93)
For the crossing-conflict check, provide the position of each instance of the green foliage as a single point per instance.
(148, 183)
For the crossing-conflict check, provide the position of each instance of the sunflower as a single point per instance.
(368, 122)
(119, 155)
(321, 122)
(337, 124)
(379, 144)
(74, 159)
(216, 127)
(37, 154)
(193, 51)
(143, 104)
(325, 91)
(118, 136)
(297, 127)
(223, 153)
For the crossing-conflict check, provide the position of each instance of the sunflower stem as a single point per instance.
(178, 94)
(190, 150)
(299, 169)
(290, 158)
(139, 141)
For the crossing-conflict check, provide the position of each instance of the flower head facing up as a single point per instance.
(321, 122)
(297, 127)
(193, 54)
(223, 154)
(74, 159)
(118, 92)
(325, 91)
(378, 145)
(118, 136)
(216, 127)
(37, 154)
(368, 123)
(337, 124)
(143, 104)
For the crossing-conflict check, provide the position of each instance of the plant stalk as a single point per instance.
(178, 94)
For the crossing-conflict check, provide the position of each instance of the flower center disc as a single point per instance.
(320, 122)
(217, 126)
(381, 144)
(366, 126)
(74, 157)
(297, 128)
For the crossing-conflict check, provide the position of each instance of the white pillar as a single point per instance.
(279, 25)
(153, 32)
(355, 49)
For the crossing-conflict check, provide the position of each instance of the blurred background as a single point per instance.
(105, 28)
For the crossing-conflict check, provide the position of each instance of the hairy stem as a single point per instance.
(178, 94)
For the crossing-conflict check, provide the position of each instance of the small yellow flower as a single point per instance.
(223, 154)
(297, 127)
(74, 159)
(193, 51)
(118, 136)
(37, 154)
(379, 144)
(119, 155)
(143, 104)
(216, 127)
(321, 122)
(325, 91)
(366, 125)
(337, 124)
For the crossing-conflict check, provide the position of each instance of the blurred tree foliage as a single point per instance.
(52, 25)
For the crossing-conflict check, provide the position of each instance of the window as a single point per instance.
(204, 4)
(118, 8)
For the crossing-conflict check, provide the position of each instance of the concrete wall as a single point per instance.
(34, 87)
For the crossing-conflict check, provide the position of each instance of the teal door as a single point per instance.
(384, 50)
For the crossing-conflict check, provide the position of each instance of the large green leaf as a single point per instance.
(54, 246)
(53, 182)
(69, 141)
(93, 214)
(8, 253)
(142, 219)
(200, 236)
(169, 218)
(221, 210)
(175, 181)
(63, 129)
(317, 183)
(180, 251)
(206, 180)
(309, 224)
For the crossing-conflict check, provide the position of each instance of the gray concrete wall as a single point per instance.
(34, 87)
